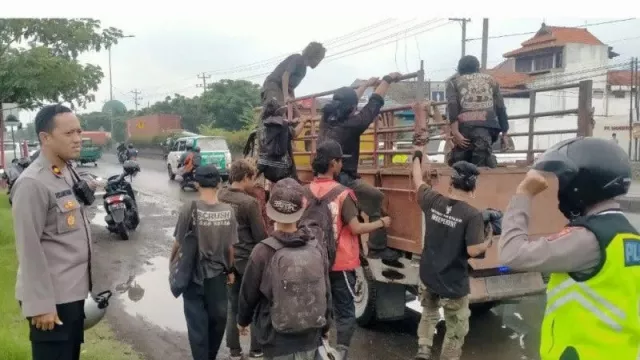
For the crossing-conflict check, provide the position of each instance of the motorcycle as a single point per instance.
(188, 181)
(11, 174)
(120, 202)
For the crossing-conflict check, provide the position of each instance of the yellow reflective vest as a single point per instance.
(597, 316)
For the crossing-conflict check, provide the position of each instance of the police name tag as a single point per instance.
(631, 253)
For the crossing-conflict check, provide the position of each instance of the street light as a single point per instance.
(110, 84)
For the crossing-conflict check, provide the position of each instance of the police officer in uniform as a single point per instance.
(52, 240)
(594, 260)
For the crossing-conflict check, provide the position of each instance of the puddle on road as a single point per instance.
(148, 296)
(98, 216)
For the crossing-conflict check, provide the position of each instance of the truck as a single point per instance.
(98, 138)
(381, 288)
(149, 126)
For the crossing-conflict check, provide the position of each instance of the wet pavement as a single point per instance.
(145, 313)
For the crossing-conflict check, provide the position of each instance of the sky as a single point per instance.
(166, 54)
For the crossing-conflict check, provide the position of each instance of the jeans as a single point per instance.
(205, 309)
(233, 336)
(479, 152)
(344, 309)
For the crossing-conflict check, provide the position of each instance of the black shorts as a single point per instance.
(64, 341)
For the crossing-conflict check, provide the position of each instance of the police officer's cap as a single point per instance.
(589, 170)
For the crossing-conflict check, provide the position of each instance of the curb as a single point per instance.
(629, 204)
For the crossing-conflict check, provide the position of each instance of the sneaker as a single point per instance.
(255, 354)
(424, 353)
(235, 354)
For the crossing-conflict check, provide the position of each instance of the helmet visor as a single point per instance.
(556, 161)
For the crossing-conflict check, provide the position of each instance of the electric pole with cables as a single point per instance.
(485, 43)
(136, 98)
(204, 78)
(463, 22)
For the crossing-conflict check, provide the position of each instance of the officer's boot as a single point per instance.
(342, 352)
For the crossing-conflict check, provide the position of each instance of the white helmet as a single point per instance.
(95, 308)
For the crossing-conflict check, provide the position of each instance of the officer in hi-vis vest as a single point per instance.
(593, 296)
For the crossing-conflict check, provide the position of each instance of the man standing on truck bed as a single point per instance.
(594, 261)
(477, 114)
(341, 123)
(454, 231)
(286, 77)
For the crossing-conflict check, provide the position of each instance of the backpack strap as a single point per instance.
(333, 193)
(273, 243)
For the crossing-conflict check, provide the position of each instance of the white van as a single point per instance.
(214, 150)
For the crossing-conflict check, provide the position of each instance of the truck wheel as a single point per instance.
(172, 176)
(365, 297)
(479, 309)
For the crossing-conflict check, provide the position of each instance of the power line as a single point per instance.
(535, 32)
(136, 97)
(204, 78)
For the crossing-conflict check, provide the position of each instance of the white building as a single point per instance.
(561, 55)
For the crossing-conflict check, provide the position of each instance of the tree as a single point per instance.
(38, 60)
(230, 103)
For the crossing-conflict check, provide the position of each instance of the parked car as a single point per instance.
(213, 150)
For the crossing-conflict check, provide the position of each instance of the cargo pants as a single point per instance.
(456, 316)
(479, 152)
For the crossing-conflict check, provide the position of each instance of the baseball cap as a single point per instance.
(286, 201)
(330, 149)
(207, 176)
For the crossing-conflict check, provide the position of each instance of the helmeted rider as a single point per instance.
(184, 155)
(132, 152)
(191, 162)
(594, 260)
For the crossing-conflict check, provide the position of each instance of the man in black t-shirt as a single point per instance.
(290, 72)
(454, 231)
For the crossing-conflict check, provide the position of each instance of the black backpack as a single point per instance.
(318, 218)
(275, 159)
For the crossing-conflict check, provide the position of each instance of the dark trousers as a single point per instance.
(64, 341)
(479, 152)
(370, 201)
(205, 309)
(233, 336)
(344, 309)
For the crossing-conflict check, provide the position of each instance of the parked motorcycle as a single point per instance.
(120, 202)
(11, 174)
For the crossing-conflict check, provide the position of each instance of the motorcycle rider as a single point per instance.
(132, 152)
(191, 163)
(184, 155)
(594, 261)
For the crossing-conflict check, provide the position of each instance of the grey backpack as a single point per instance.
(298, 281)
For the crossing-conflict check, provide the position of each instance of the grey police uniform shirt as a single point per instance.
(573, 249)
(52, 240)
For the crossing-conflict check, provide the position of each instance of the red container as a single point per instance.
(149, 126)
(99, 138)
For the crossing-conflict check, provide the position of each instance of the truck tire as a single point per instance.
(365, 297)
(479, 309)
(172, 176)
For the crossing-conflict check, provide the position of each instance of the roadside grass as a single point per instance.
(100, 342)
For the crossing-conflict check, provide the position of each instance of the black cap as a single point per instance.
(207, 176)
(347, 96)
(330, 149)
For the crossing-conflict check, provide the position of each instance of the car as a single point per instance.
(214, 150)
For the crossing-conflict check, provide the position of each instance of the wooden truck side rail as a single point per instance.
(495, 186)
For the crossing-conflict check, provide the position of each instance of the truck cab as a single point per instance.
(381, 288)
(213, 151)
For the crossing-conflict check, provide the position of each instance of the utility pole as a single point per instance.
(463, 22)
(136, 97)
(204, 78)
(110, 83)
(485, 43)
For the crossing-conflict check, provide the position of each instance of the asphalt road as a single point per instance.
(145, 313)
